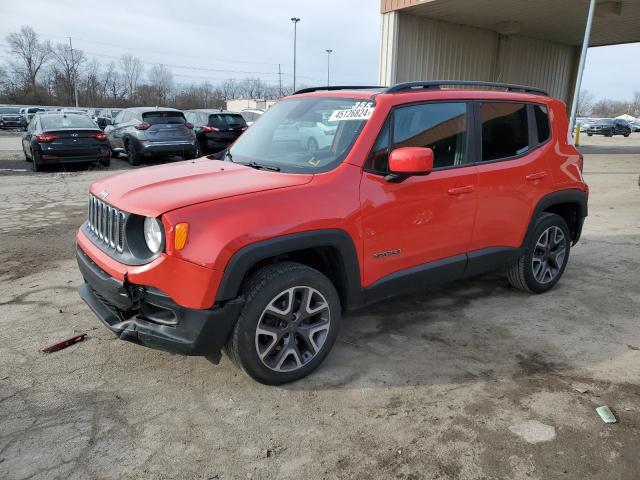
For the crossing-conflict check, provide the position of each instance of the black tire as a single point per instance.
(37, 164)
(105, 162)
(132, 155)
(627, 134)
(26, 157)
(589, 134)
(521, 273)
(114, 154)
(262, 289)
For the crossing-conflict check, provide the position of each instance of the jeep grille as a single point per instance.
(106, 223)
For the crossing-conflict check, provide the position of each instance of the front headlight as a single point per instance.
(153, 234)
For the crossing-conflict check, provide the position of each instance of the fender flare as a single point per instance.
(574, 195)
(244, 259)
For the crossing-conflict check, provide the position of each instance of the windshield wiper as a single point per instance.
(260, 166)
(227, 156)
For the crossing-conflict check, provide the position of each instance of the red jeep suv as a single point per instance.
(262, 251)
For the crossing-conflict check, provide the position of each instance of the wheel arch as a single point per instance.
(331, 251)
(571, 205)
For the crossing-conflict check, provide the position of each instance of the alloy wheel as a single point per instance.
(292, 329)
(549, 254)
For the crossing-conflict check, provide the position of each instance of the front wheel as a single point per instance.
(288, 324)
(545, 257)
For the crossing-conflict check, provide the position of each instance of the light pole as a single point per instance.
(295, 21)
(328, 66)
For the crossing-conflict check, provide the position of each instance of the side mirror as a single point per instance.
(408, 162)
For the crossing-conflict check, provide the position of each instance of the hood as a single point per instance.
(152, 191)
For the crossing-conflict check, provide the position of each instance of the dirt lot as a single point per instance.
(475, 381)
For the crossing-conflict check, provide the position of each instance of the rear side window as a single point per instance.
(542, 122)
(248, 116)
(439, 126)
(156, 118)
(505, 130)
(224, 120)
(53, 122)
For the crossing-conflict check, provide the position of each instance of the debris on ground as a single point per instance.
(64, 343)
(533, 431)
(580, 388)
(606, 414)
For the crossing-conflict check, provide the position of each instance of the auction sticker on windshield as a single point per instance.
(360, 111)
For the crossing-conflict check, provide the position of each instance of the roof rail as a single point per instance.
(336, 87)
(437, 84)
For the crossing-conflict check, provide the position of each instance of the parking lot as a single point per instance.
(472, 381)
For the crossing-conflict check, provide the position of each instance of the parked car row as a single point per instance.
(610, 127)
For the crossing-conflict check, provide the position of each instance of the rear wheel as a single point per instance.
(104, 162)
(26, 157)
(114, 154)
(288, 324)
(132, 155)
(545, 258)
(37, 161)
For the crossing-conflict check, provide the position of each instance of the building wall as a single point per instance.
(418, 48)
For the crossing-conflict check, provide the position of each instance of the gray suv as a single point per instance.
(145, 132)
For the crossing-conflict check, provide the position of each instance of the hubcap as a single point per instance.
(292, 329)
(549, 254)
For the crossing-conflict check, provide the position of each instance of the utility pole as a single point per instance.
(73, 72)
(295, 21)
(329, 67)
(280, 80)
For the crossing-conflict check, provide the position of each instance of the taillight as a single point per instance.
(188, 125)
(45, 138)
(101, 137)
(208, 129)
(142, 126)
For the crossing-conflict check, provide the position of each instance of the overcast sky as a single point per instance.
(214, 40)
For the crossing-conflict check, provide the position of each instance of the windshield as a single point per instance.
(305, 135)
(9, 110)
(605, 122)
(155, 118)
(53, 121)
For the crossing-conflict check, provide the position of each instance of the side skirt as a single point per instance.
(434, 274)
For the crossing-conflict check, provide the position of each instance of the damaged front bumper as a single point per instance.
(146, 316)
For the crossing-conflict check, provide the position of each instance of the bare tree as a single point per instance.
(161, 82)
(112, 84)
(635, 105)
(229, 89)
(131, 72)
(31, 54)
(67, 67)
(585, 103)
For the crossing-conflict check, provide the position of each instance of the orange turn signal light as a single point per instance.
(180, 235)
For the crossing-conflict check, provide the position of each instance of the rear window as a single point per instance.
(542, 122)
(505, 130)
(223, 120)
(9, 110)
(74, 120)
(157, 118)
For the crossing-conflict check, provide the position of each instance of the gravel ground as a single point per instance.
(474, 381)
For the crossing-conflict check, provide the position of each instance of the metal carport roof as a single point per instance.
(560, 21)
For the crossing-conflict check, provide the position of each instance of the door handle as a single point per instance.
(536, 176)
(460, 190)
